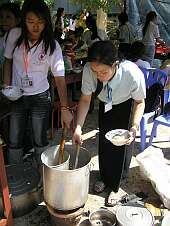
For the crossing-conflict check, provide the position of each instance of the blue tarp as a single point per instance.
(137, 10)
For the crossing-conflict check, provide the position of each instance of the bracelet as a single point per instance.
(65, 108)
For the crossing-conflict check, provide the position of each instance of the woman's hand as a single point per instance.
(77, 136)
(66, 117)
(132, 135)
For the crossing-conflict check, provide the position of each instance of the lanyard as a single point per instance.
(109, 93)
(26, 62)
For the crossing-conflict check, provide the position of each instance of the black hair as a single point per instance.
(149, 17)
(40, 9)
(78, 31)
(137, 50)
(123, 18)
(12, 7)
(103, 52)
(123, 50)
(91, 24)
(59, 13)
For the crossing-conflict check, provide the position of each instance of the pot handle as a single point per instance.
(89, 168)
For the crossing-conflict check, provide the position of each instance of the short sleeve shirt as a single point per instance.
(143, 63)
(127, 33)
(38, 64)
(127, 83)
(151, 34)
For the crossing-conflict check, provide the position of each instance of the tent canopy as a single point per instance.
(137, 10)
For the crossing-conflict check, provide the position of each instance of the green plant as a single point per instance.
(93, 5)
(50, 3)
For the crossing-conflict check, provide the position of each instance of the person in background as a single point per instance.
(166, 67)
(126, 35)
(59, 30)
(150, 36)
(90, 34)
(9, 18)
(121, 106)
(136, 54)
(81, 22)
(30, 51)
(73, 22)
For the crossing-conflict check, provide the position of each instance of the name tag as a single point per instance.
(108, 107)
(27, 82)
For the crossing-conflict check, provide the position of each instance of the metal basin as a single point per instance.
(102, 217)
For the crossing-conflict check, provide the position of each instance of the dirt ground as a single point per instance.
(134, 183)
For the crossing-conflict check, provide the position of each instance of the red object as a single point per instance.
(7, 220)
(161, 49)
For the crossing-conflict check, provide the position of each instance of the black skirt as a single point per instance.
(113, 160)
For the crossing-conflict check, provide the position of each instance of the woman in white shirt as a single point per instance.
(126, 35)
(9, 18)
(122, 92)
(150, 36)
(30, 51)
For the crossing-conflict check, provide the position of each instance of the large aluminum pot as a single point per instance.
(67, 189)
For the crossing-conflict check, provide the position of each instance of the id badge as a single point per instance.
(27, 82)
(108, 107)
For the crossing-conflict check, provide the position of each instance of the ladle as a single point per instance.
(77, 155)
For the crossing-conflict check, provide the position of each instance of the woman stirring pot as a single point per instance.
(120, 99)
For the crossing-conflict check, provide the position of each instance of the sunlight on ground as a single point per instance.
(90, 134)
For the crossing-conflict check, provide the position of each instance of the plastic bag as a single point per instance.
(153, 165)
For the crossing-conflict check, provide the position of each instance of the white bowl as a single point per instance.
(12, 92)
(118, 137)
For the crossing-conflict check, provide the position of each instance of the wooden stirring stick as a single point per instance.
(62, 143)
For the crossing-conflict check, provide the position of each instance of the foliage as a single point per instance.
(50, 3)
(93, 5)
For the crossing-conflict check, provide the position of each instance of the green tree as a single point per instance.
(93, 5)
(50, 3)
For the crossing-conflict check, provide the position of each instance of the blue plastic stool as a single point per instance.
(152, 76)
(162, 119)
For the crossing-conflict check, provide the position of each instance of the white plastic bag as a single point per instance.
(153, 165)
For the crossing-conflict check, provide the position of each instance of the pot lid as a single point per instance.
(22, 178)
(134, 215)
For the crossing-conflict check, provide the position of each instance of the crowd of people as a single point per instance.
(31, 45)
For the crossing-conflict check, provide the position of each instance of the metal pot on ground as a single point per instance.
(67, 189)
(102, 217)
